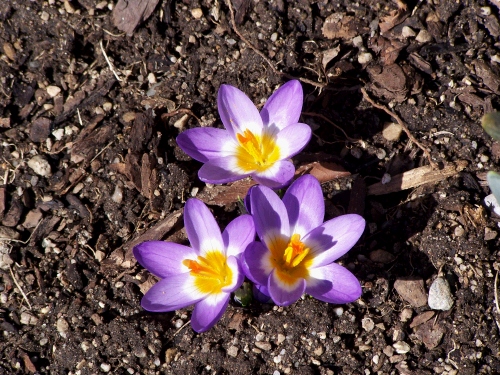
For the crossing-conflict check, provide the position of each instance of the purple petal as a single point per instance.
(269, 214)
(163, 259)
(237, 111)
(333, 284)
(277, 176)
(256, 263)
(221, 170)
(261, 293)
(204, 144)
(284, 106)
(305, 206)
(201, 228)
(172, 293)
(208, 311)
(284, 294)
(238, 276)
(238, 234)
(293, 139)
(334, 238)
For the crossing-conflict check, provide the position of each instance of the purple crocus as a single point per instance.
(297, 250)
(204, 274)
(253, 144)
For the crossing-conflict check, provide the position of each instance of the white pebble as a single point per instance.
(40, 165)
(401, 347)
(338, 311)
(58, 134)
(106, 367)
(365, 58)
(440, 297)
(53, 90)
(274, 37)
(62, 327)
(117, 196)
(407, 32)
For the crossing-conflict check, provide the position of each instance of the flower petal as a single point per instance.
(269, 214)
(256, 263)
(334, 238)
(237, 111)
(238, 276)
(283, 108)
(221, 170)
(238, 234)
(204, 144)
(163, 259)
(172, 293)
(293, 139)
(261, 293)
(201, 228)
(305, 205)
(277, 176)
(284, 294)
(208, 311)
(333, 284)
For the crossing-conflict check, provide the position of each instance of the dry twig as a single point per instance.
(19, 287)
(403, 125)
(109, 62)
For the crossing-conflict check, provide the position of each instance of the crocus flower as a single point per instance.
(204, 274)
(297, 250)
(253, 144)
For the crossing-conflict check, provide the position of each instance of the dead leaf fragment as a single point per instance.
(393, 19)
(324, 171)
(127, 14)
(340, 25)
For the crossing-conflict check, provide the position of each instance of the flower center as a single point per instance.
(290, 259)
(256, 153)
(211, 272)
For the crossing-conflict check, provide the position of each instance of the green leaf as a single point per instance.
(491, 124)
(244, 294)
(494, 182)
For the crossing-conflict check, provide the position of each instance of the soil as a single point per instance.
(89, 166)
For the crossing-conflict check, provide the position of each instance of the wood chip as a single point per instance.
(342, 26)
(324, 171)
(422, 318)
(224, 195)
(417, 177)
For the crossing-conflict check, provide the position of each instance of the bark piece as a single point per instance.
(128, 14)
(124, 257)
(340, 25)
(417, 177)
(412, 291)
(40, 129)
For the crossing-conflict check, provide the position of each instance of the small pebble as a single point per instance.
(408, 32)
(365, 58)
(40, 165)
(232, 351)
(367, 324)
(440, 297)
(423, 37)
(105, 367)
(197, 13)
(338, 311)
(53, 91)
(392, 131)
(117, 196)
(401, 347)
(62, 327)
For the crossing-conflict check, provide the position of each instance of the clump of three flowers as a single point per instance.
(296, 251)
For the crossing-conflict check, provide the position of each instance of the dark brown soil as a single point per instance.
(69, 291)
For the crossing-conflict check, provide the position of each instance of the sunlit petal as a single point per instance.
(277, 176)
(237, 275)
(284, 106)
(204, 144)
(334, 238)
(208, 311)
(161, 258)
(238, 234)
(282, 293)
(333, 284)
(172, 293)
(293, 139)
(237, 111)
(305, 205)
(256, 263)
(201, 228)
(221, 171)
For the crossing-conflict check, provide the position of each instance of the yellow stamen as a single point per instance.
(256, 153)
(290, 259)
(211, 272)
